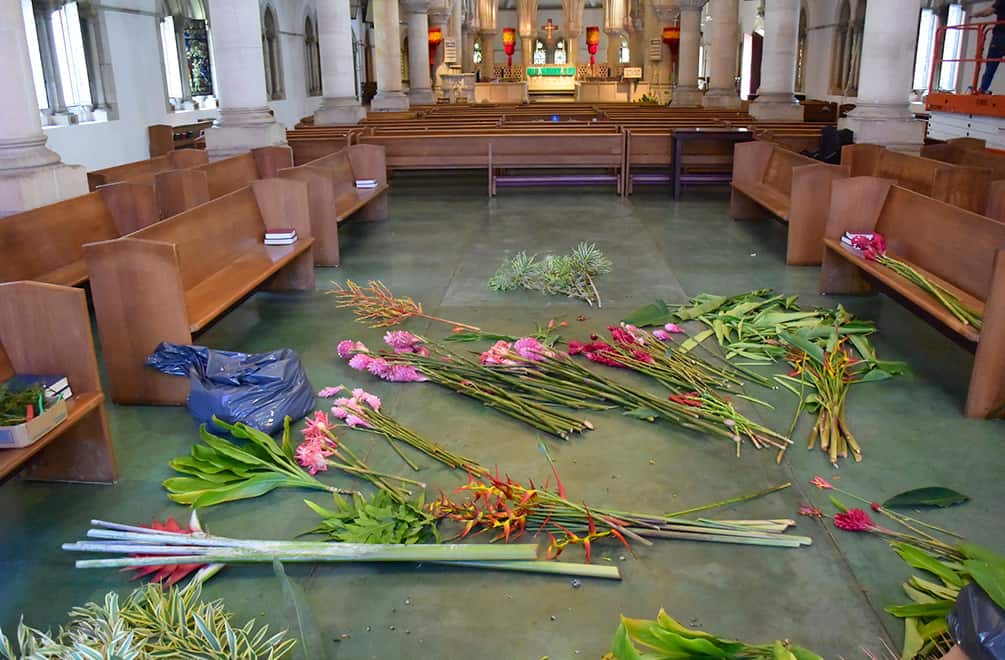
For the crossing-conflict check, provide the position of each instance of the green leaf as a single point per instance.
(913, 641)
(647, 414)
(312, 645)
(940, 608)
(657, 313)
(922, 560)
(710, 304)
(622, 646)
(253, 487)
(937, 496)
(692, 342)
(478, 336)
(990, 577)
(838, 504)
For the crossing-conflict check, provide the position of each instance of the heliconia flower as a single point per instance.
(854, 520)
(820, 483)
(356, 422)
(662, 335)
(313, 456)
(360, 362)
(811, 511)
(329, 392)
(347, 347)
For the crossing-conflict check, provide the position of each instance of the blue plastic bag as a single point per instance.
(978, 625)
(258, 389)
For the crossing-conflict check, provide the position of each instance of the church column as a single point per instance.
(340, 105)
(31, 174)
(572, 14)
(637, 43)
(245, 121)
(420, 90)
(456, 30)
(614, 25)
(488, 41)
(775, 97)
(439, 17)
(882, 114)
(389, 96)
(686, 93)
(722, 77)
(526, 18)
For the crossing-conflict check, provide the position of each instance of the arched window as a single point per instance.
(624, 53)
(476, 54)
(185, 45)
(848, 49)
(801, 52)
(270, 51)
(540, 55)
(312, 58)
(560, 54)
(65, 53)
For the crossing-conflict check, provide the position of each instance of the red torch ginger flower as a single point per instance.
(855, 520)
(820, 483)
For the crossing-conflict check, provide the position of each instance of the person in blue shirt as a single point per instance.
(997, 48)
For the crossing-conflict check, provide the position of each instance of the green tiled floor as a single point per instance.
(441, 244)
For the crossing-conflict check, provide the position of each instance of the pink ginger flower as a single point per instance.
(318, 425)
(372, 400)
(673, 328)
(312, 455)
(360, 362)
(498, 354)
(855, 520)
(402, 341)
(329, 392)
(356, 422)
(378, 367)
(347, 347)
(662, 335)
(404, 373)
(531, 349)
(340, 412)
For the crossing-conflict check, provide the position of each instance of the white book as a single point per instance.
(366, 183)
(280, 241)
(280, 235)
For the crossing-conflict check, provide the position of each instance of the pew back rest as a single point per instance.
(211, 236)
(778, 174)
(338, 169)
(42, 240)
(568, 149)
(955, 244)
(143, 170)
(228, 174)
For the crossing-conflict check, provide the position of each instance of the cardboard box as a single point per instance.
(22, 435)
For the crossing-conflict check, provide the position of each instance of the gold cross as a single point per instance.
(550, 28)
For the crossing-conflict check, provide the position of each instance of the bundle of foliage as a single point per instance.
(381, 519)
(150, 623)
(569, 275)
(666, 639)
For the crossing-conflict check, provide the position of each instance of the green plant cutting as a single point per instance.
(572, 275)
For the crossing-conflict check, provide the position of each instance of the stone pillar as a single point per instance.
(882, 114)
(613, 49)
(775, 97)
(572, 14)
(722, 75)
(340, 105)
(439, 16)
(468, 44)
(526, 20)
(420, 88)
(455, 31)
(686, 92)
(31, 174)
(614, 27)
(389, 96)
(245, 120)
(637, 44)
(488, 67)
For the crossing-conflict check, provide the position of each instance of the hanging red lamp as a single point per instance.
(592, 43)
(509, 44)
(435, 39)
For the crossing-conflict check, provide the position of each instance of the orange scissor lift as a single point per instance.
(990, 105)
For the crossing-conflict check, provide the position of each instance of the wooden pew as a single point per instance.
(557, 151)
(164, 138)
(46, 244)
(45, 329)
(961, 250)
(965, 187)
(334, 198)
(180, 190)
(143, 171)
(770, 180)
(171, 280)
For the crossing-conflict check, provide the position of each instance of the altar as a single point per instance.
(551, 78)
(505, 93)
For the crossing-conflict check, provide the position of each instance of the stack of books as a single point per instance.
(366, 183)
(286, 236)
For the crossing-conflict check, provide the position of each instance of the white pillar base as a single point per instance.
(724, 99)
(686, 97)
(231, 139)
(389, 102)
(776, 107)
(898, 134)
(421, 97)
(339, 111)
(32, 187)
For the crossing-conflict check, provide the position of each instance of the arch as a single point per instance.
(312, 56)
(271, 56)
(185, 50)
(841, 65)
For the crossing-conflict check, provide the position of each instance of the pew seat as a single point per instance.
(172, 279)
(955, 248)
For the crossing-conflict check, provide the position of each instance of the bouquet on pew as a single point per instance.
(873, 248)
